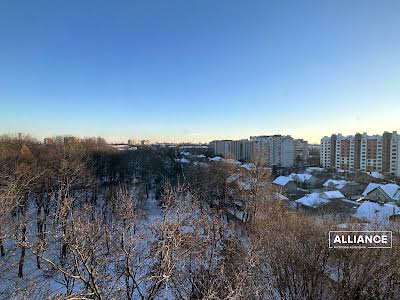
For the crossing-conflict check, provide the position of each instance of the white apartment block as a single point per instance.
(395, 154)
(371, 153)
(362, 152)
(347, 152)
(325, 152)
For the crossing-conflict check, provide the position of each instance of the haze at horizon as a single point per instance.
(199, 70)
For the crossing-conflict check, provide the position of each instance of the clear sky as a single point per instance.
(197, 70)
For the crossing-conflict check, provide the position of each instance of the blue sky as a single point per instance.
(199, 70)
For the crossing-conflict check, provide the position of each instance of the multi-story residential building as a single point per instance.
(301, 150)
(362, 152)
(221, 147)
(242, 150)
(145, 142)
(260, 153)
(325, 152)
(347, 152)
(235, 149)
(133, 142)
(395, 154)
(328, 151)
(371, 153)
(281, 149)
(269, 150)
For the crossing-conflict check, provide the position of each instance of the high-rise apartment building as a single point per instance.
(239, 149)
(347, 152)
(361, 152)
(268, 150)
(260, 153)
(145, 142)
(281, 149)
(301, 150)
(395, 155)
(134, 142)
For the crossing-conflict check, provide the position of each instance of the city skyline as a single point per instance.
(199, 71)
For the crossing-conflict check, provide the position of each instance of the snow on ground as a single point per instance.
(233, 177)
(249, 166)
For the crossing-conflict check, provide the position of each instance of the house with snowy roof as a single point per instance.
(384, 193)
(315, 170)
(315, 200)
(375, 212)
(370, 177)
(347, 188)
(285, 184)
(304, 180)
(376, 175)
(312, 200)
(332, 195)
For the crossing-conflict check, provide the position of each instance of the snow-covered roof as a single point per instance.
(376, 212)
(312, 200)
(392, 190)
(216, 158)
(332, 195)
(376, 175)
(183, 160)
(338, 184)
(314, 169)
(249, 166)
(185, 153)
(370, 187)
(282, 180)
(193, 147)
(300, 177)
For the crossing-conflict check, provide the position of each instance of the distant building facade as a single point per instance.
(133, 142)
(145, 142)
(240, 149)
(301, 150)
(281, 149)
(270, 150)
(362, 152)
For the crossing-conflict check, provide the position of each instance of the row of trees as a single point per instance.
(84, 221)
